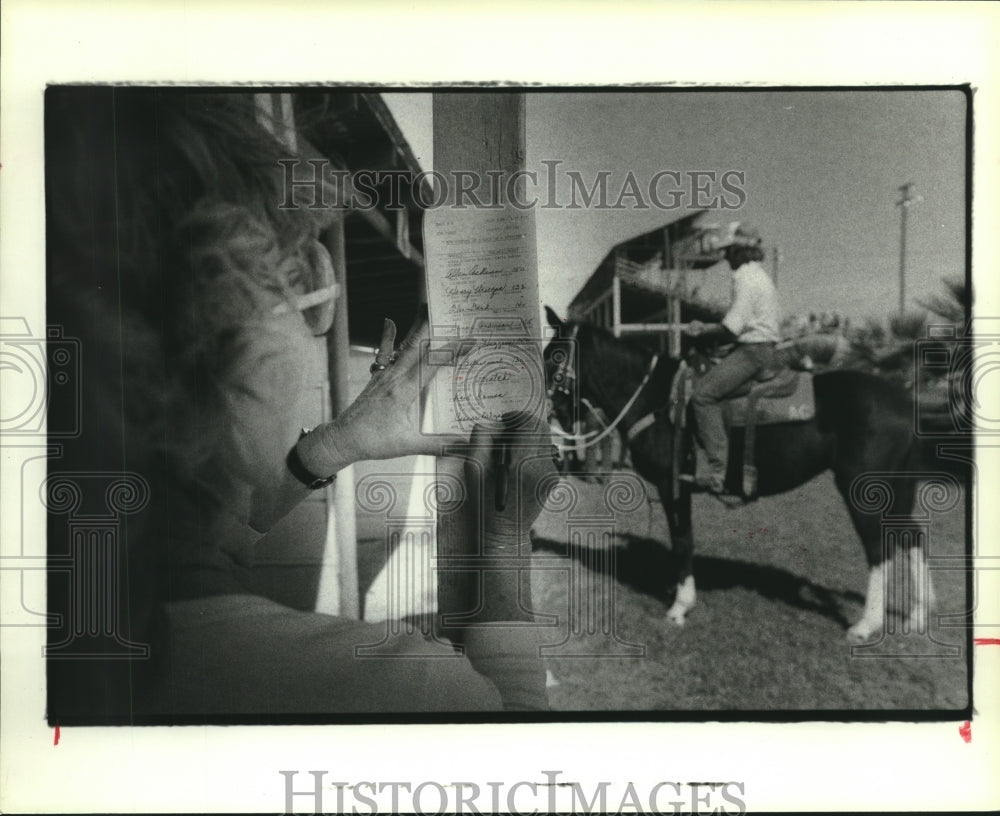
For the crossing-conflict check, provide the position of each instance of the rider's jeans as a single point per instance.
(739, 366)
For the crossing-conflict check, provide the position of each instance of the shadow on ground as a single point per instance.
(645, 565)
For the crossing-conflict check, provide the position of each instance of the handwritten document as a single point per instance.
(482, 294)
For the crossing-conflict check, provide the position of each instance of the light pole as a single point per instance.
(907, 198)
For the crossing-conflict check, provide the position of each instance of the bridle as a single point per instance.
(563, 380)
(565, 373)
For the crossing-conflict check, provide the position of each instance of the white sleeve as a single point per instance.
(739, 313)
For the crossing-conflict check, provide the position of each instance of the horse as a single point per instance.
(862, 426)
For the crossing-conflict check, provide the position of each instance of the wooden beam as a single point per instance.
(367, 255)
(387, 230)
(650, 328)
(385, 118)
(374, 218)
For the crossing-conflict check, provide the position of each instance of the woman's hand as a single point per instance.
(385, 420)
(694, 328)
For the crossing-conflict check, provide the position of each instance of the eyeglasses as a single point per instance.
(318, 303)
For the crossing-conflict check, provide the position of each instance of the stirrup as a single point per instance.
(729, 500)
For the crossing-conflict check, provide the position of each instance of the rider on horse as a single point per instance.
(752, 324)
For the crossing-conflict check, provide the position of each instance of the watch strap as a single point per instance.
(301, 472)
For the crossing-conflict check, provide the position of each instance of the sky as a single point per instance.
(822, 172)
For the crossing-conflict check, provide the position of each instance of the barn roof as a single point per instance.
(640, 250)
(384, 247)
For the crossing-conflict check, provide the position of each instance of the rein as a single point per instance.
(583, 440)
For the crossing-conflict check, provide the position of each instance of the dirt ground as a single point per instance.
(779, 581)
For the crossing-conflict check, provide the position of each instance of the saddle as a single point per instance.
(775, 397)
(786, 397)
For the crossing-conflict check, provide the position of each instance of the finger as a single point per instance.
(419, 331)
(480, 443)
(526, 424)
(384, 354)
(526, 437)
(408, 354)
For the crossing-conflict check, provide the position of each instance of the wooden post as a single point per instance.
(672, 347)
(906, 198)
(478, 133)
(338, 586)
(675, 316)
(616, 304)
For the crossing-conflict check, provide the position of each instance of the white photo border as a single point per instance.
(803, 766)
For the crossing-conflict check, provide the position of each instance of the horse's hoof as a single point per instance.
(677, 616)
(859, 634)
(919, 620)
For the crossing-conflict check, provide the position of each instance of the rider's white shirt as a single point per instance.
(753, 317)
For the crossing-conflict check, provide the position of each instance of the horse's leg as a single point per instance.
(870, 528)
(873, 618)
(918, 616)
(922, 590)
(682, 544)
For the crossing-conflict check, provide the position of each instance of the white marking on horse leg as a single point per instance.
(683, 601)
(918, 619)
(873, 618)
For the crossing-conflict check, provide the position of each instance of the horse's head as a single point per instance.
(561, 359)
(587, 365)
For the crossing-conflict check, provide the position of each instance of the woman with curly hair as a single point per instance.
(170, 259)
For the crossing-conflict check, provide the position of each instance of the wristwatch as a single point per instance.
(301, 472)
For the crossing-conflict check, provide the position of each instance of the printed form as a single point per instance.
(482, 291)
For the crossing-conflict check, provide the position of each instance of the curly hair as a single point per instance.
(164, 222)
(739, 255)
(164, 238)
